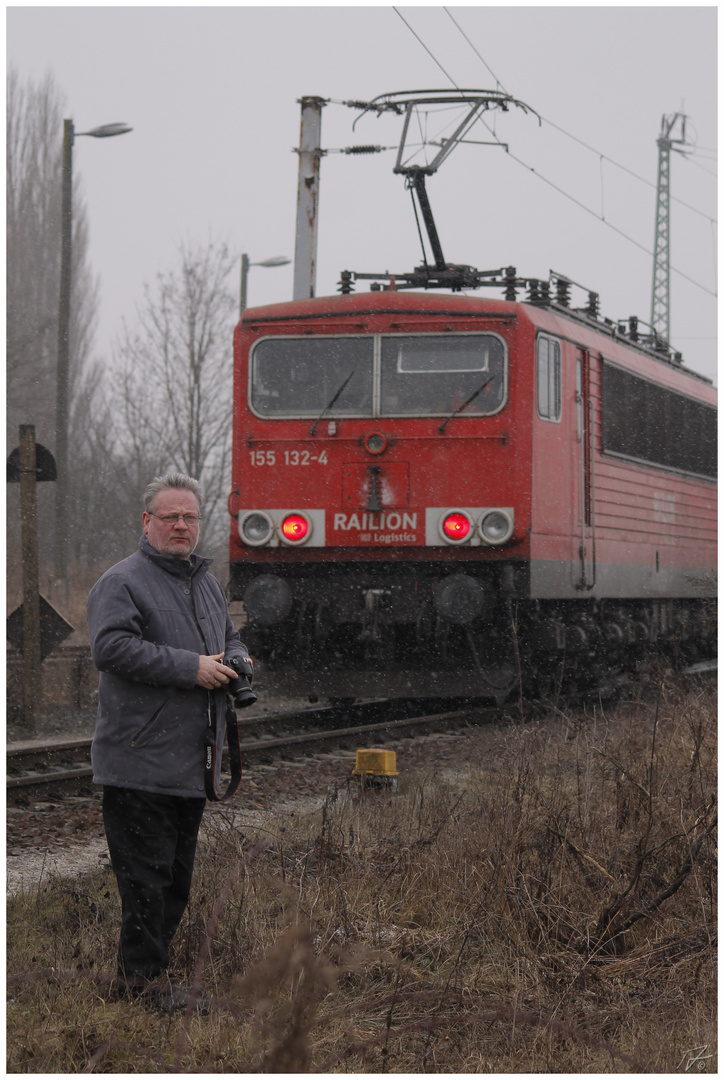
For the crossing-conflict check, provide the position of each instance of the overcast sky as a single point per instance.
(212, 95)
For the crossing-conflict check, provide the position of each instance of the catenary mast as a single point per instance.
(660, 293)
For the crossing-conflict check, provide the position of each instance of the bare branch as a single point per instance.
(177, 381)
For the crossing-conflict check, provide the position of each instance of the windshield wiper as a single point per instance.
(327, 407)
(465, 403)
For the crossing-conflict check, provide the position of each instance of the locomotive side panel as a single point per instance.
(656, 518)
(637, 529)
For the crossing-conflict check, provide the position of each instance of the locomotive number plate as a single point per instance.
(287, 457)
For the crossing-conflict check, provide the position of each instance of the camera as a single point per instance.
(240, 687)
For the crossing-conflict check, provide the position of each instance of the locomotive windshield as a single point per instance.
(435, 375)
(381, 375)
(300, 377)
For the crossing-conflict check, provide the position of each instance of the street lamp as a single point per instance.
(276, 260)
(61, 399)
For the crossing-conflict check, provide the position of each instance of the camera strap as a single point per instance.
(232, 741)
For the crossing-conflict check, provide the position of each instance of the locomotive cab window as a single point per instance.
(305, 376)
(378, 375)
(435, 375)
(548, 378)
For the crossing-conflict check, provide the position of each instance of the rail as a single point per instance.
(62, 766)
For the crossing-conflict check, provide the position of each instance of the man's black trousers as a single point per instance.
(152, 844)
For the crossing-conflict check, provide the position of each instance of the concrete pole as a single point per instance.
(62, 375)
(32, 664)
(310, 153)
(244, 275)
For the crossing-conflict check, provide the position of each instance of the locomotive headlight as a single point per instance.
(456, 526)
(295, 528)
(496, 526)
(255, 528)
(375, 443)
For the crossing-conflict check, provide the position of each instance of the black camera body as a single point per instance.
(240, 687)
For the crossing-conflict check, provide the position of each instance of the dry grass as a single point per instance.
(552, 910)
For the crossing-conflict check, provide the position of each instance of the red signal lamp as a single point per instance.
(295, 528)
(457, 527)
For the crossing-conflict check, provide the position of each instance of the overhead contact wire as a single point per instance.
(485, 64)
(432, 57)
(575, 138)
(540, 175)
(593, 213)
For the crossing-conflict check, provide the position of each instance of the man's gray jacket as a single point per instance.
(150, 617)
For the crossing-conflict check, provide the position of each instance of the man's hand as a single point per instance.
(211, 674)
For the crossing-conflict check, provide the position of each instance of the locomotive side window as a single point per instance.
(548, 378)
(651, 423)
(305, 376)
(434, 375)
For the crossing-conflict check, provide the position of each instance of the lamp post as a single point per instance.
(61, 390)
(276, 260)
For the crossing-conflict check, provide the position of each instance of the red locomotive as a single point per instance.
(441, 494)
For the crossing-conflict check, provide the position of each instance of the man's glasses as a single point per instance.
(171, 519)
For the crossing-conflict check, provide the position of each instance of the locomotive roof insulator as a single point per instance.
(563, 292)
(538, 292)
(511, 280)
(346, 285)
(534, 295)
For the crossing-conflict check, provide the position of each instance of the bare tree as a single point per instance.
(170, 405)
(175, 376)
(34, 134)
(33, 218)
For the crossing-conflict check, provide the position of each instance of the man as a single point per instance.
(159, 628)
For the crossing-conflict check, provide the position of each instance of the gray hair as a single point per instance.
(172, 480)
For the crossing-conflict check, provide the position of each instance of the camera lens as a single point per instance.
(240, 687)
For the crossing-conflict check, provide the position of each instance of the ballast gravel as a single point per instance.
(66, 838)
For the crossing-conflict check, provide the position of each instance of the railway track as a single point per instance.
(56, 768)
